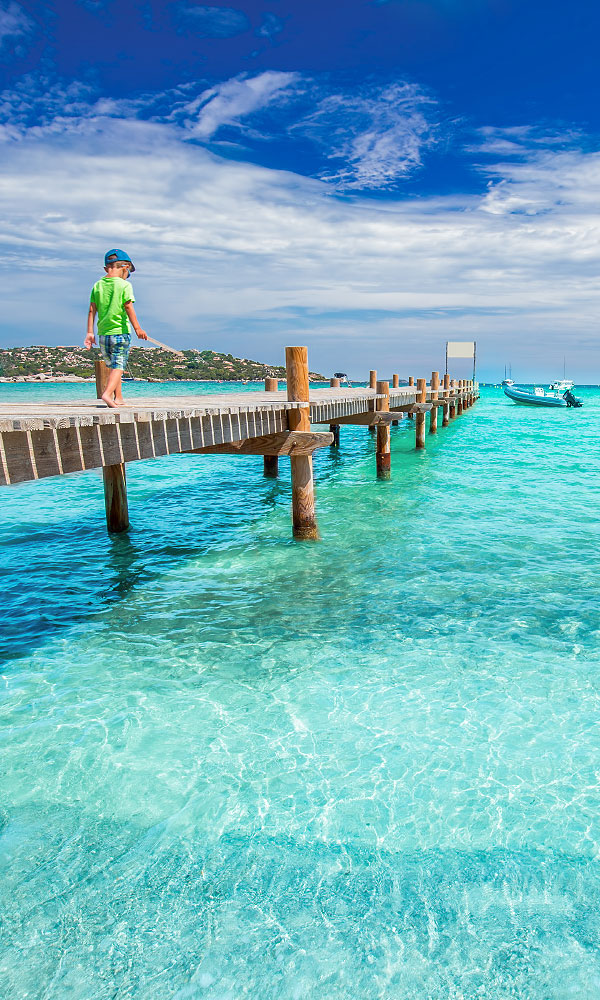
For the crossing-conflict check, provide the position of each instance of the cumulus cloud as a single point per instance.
(376, 136)
(15, 28)
(231, 253)
(213, 22)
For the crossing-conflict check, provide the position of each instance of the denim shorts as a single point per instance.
(115, 350)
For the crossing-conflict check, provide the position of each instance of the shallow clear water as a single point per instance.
(236, 766)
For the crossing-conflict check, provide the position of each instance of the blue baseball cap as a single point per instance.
(116, 256)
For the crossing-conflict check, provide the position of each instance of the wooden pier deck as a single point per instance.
(39, 439)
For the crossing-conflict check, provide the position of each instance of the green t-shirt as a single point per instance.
(109, 295)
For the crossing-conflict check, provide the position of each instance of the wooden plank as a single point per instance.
(411, 408)
(69, 445)
(19, 464)
(45, 450)
(159, 437)
(129, 442)
(90, 446)
(185, 433)
(281, 443)
(172, 435)
(4, 480)
(111, 444)
(369, 419)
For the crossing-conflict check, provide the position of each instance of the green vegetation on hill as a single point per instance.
(145, 363)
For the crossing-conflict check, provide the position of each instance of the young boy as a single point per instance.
(112, 300)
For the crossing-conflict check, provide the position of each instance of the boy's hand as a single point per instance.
(141, 334)
(89, 341)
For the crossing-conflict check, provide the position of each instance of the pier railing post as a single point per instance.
(411, 383)
(453, 392)
(101, 372)
(271, 462)
(446, 409)
(334, 383)
(433, 417)
(420, 417)
(304, 520)
(383, 433)
(373, 385)
(395, 385)
(459, 402)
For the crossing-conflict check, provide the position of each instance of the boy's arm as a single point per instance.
(90, 339)
(134, 321)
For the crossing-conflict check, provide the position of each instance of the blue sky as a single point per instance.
(370, 177)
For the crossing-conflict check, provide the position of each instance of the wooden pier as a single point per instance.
(38, 440)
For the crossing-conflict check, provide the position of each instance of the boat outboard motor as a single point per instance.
(571, 399)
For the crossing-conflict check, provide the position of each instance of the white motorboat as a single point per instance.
(558, 394)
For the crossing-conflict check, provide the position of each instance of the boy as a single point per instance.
(112, 299)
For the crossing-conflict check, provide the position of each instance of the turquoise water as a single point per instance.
(237, 766)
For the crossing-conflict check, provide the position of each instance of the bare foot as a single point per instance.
(119, 401)
(109, 402)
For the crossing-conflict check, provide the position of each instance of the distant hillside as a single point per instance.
(41, 364)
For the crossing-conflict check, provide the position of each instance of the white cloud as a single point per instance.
(378, 136)
(226, 103)
(230, 254)
(271, 26)
(214, 22)
(15, 23)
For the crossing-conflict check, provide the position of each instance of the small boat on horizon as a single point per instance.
(558, 394)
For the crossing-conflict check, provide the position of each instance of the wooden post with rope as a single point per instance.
(271, 462)
(383, 433)
(304, 523)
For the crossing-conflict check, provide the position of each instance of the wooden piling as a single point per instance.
(395, 385)
(271, 462)
(115, 498)
(383, 433)
(446, 409)
(453, 391)
(335, 428)
(373, 385)
(420, 417)
(411, 382)
(101, 372)
(433, 416)
(304, 523)
(459, 401)
(115, 485)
